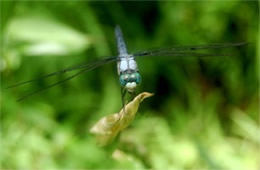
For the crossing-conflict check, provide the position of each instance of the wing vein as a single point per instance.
(109, 60)
(173, 50)
(87, 65)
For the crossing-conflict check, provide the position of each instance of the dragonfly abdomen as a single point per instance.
(121, 46)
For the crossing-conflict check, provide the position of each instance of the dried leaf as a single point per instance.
(108, 127)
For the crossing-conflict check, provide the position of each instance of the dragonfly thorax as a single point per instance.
(129, 80)
(126, 62)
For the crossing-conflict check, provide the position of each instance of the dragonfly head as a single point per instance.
(129, 80)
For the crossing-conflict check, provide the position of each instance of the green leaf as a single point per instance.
(43, 35)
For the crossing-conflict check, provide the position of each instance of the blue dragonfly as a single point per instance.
(129, 76)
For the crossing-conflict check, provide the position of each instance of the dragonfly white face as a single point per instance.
(129, 80)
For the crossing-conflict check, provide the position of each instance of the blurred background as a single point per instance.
(205, 112)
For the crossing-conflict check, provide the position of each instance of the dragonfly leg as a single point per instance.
(133, 94)
(123, 93)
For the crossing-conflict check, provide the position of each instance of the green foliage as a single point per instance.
(204, 114)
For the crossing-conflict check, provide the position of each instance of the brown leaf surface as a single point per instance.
(108, 127)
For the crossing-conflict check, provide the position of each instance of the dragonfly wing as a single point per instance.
(188, 54)
(82, 66)
(178, 49)
(87, 67)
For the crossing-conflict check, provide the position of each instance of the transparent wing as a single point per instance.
(190, 54)
(187, 50)
(85, 68)
(88, 66)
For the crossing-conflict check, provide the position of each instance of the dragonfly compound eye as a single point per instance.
(123, 79)
(135, 77)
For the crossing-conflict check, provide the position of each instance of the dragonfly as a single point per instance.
(127, 68)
